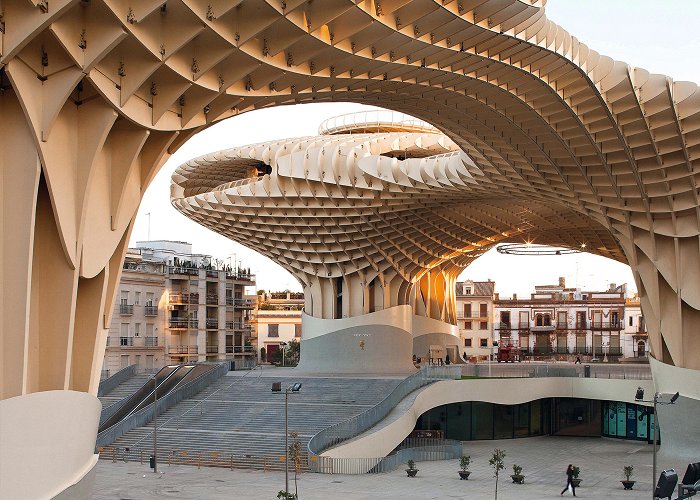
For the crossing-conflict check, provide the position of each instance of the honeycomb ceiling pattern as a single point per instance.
(542, 117)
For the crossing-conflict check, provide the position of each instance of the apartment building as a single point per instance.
(174, 306)
(636, 344)
(557, 321)
(277, 321)
(475, 318)
(138, 331)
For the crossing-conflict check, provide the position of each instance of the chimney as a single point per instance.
(515, 296)
(562, 281)
(613, 286)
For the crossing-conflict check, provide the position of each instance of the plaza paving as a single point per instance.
(543, 459)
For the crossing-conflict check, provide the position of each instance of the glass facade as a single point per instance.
(627, 421)
(477, 420)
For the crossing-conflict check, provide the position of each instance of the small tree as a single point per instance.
(262, 355)
(498, 465)
(411, 464)
(464, 462)
(628, 471)
(576, 471)
(295, 456)
(517, 470)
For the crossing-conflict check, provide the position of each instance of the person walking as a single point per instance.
(569, 480)
(578, 360)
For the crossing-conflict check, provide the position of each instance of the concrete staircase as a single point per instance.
(242, 417)
(124, 389)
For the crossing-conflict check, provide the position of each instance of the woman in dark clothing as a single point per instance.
(569, 480)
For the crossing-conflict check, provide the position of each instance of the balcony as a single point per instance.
(238, 276)
(150, 341)
(606, 325)
(182, 323)
(562, 325)
(183, 298)
(244, 303)
(212, 273)
(212, 299)
(126, 341)
(183, 349)
(186, 271)
(150, 310)
(542, 328)
(212, 349)
(237, 325)
(126, 309)
(240, 349)
(229, 301)
(212, 323)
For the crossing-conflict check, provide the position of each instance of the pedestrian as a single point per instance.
(578, 360)
(447, 359)
(569, 480)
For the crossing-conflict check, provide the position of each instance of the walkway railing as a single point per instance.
(358, 424)
(421, 450)
(107, 385)
(203, 458)
(532, 370)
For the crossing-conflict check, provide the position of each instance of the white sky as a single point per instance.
(662, 37)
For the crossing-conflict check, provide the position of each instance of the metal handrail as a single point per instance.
(378, 117)
(428, 450)
(107, 385)
(145, 415)
(358, 424)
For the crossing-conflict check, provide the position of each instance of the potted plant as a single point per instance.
(517, 474)
(576, 480)
(496, 461)
(628, 473)
(411, 471)
(464, 462)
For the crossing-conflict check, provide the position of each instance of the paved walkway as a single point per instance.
(543, 459)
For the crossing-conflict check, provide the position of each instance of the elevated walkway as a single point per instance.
(365, 451)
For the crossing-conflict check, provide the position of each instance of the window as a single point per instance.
(581, 319)
(149, 298)
(614, 319)
(137, 298)
(561, 319)
(467, 310)
(137, 329)
(505, 319)
(524, 319)
(124, 300)
(149, 329)
(483, 342)
(297, 331)
(483, 325)
(631, 321)
(467, 342)
(483, 310)
(467, 290)
(273, 330)
(125, 329)
(467, 325)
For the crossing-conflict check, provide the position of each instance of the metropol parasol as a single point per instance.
(544, 138)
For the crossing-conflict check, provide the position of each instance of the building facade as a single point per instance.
(475, 315)
(277, 321)
(559, 322)
(174, 306)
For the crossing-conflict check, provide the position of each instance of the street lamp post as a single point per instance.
(155, 423)
(640, 398)
(284, 347)
(294, 388)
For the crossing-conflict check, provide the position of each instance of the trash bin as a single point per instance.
(587, 371)
(152, 460)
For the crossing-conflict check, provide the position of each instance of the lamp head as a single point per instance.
(640, 394)
(674, 398)
(296, 387)
(276, 386)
